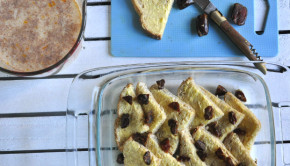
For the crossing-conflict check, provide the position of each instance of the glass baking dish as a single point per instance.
(95, 94)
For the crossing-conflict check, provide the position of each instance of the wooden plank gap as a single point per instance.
(284, 32)
(98, 3)
(97, 38)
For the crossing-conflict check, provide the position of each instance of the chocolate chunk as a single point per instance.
(165, 145)
(242, 164)
(229, 162)
(120, 158)
(220, 154)
(213, 129)
(240, 95)
(149, 117)
(160, 84)
(232, 118)
(208, 113)
(200, 145)
(201, 154)
(202, 25)
(173, 126)
(193, 131)
(183, 158)
(184, 3)
(143, 98)
(220, 90)
(140, 138)
(125, 120)
(175, 106)
(147, 158)
(129, 99)
(239, 14)
(240, 132)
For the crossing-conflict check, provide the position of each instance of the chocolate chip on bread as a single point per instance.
(166, 158)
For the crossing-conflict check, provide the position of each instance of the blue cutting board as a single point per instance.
(180, 38)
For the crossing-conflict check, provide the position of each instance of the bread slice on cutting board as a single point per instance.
(153, 15)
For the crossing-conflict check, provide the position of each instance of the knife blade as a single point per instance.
(243, 44)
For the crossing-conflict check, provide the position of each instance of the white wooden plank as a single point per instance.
(279, 155)
(284, 12)
(41, 159)
(284, 50)
(42, 95)
(97, 21)
(40, 133)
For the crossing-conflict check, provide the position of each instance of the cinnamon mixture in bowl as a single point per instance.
(35, 35)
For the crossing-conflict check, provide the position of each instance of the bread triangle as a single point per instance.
(250, 124)
(153, 15)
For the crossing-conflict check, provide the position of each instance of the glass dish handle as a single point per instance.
(284, 117)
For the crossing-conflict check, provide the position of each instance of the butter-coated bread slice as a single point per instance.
(238, 150)
(152, 110)
(177, 112)
(131, 111)
(206, 110)
(136, 154)
(214, 152)
(153, 15)
(166, 158)
(174, 107)
(231, 119)
(187, 149)
(250, 126)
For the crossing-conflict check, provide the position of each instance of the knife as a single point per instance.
(244, 45)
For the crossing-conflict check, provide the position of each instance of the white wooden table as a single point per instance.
(32, 116)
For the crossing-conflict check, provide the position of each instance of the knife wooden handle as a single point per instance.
(245, 46)
(242, 43)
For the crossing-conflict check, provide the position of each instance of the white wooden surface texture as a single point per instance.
(20, 134)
